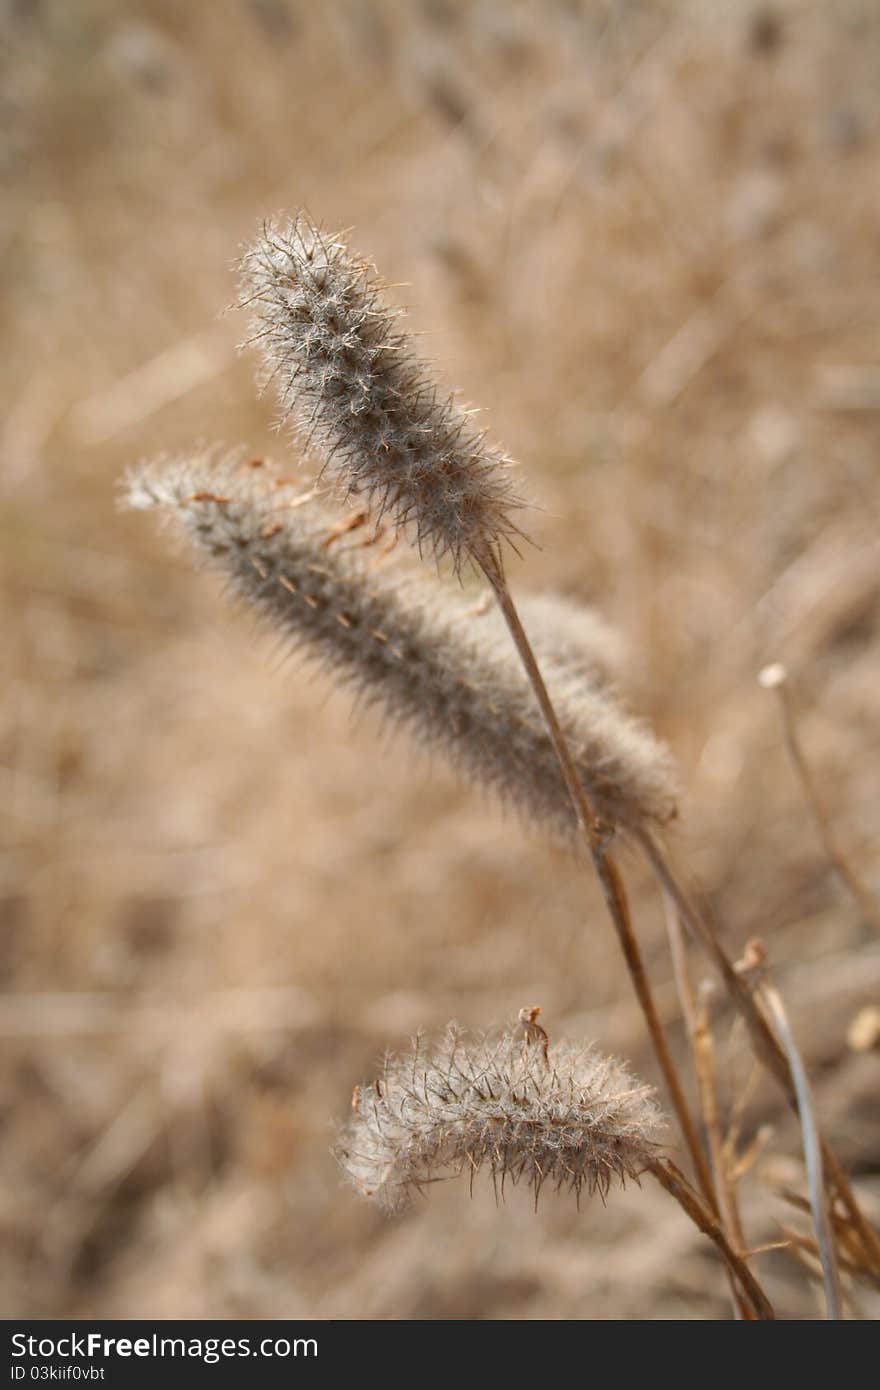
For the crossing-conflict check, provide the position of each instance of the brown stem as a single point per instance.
(678, 1187)
(850, 1252)
(696, 1017)
(764, 1040)
(705, 1061)
(594, 831)
(597, 837)
(615, 897)
(840, 1182)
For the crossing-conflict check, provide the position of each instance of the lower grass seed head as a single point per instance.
(526, 1110)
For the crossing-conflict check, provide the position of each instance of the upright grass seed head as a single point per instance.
(350, 380)
(406, 646)
(527, 1111)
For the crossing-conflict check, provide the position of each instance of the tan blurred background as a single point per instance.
(646, 239)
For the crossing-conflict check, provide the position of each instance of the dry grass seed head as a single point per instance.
(403, 647)
(350, 382)
(562, 1115)
(571, 635)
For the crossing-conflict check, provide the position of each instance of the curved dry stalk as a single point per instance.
(764, 1041)
(812, 1153)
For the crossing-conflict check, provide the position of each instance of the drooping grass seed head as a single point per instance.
(525, 1109)
(403, 643)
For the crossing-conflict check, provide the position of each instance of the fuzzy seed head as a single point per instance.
(567, 634)
(351, 383)
(408, 645)
(527, 1111)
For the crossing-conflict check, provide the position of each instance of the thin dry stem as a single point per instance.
(675, 1183)
(764, 1041)
(812, 1152)
(801, 1245)
(704, 1056)
(850, 1254)
(775, 678)
(696, 1017)
(597, 837)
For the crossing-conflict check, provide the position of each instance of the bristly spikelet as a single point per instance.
(561, 1114)
(403, 645)
(351, 382)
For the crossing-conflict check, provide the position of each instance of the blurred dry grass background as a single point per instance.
(645, 237)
